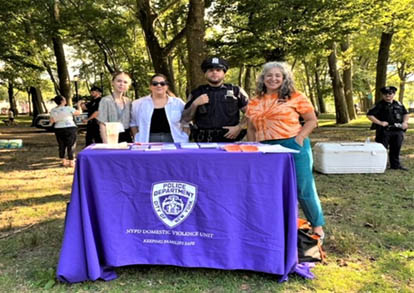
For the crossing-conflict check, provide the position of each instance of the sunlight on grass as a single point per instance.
(369, 227)
(33, 196)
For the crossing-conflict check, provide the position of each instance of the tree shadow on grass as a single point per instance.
(10, 161)
(12, 204)
(39, 151)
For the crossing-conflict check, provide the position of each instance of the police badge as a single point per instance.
(173, 201)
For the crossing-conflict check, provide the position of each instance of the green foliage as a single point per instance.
(273, 30)
(102, 37)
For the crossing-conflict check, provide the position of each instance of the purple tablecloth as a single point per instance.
(190, 208)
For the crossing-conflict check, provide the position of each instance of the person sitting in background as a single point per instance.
(156, 117)
(116, 107)
(92, 127)
(10, 118)
(274, 119)
(65, 129)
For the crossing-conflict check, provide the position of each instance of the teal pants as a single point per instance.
(307, 194)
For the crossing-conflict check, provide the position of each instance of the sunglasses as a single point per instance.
(162, 83)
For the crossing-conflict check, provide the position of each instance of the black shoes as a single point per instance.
(399, 168)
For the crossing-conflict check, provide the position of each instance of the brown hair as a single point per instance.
(169, 92)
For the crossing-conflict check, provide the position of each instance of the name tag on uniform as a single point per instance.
(230, 94)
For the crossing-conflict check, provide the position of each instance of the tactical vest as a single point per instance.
(393, 113)
(223, 108)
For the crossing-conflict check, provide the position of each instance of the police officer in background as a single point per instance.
(92, 127)
(215, 107)
(390, 119)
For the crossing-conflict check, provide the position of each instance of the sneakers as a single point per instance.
(68, 163)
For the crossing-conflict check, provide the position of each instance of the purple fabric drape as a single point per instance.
(190, 208)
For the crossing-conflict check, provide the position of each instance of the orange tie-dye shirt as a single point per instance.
(275, 119)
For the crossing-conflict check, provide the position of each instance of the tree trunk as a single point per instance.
(319, 93)
(159, 55)
(368, 98)
(402, 91)
(347, 78)
(29, 101)
(382, 62)
(338, 90)
(62, 68)
(309, 85)
(183, 74)
(52, 78)
(247, 80)
(37, 102)
(12, 100)
(195, 42)
(403, 77)
(240, 77)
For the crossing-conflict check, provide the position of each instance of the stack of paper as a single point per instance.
(169, 146)
(275, 148)
(189, 145)
(106, 146)
(208, 145)
(246, 148)
(154, 148)
(139, 147)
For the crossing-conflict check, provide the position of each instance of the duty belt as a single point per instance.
(395, 127)
(214, 135)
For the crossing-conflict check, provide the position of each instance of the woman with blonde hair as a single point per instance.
(116, 107)
(274, 119)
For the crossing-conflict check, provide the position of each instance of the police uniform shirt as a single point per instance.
(223, 108)
(93, 106)
(390, 112)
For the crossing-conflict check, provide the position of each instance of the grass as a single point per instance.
(369, 227)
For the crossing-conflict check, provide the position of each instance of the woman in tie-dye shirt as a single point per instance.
(274, 119)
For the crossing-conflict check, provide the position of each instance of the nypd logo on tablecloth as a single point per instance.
(173, 201)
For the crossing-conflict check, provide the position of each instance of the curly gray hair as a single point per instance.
(287, 87)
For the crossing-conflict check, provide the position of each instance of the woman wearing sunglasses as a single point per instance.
(156, 117)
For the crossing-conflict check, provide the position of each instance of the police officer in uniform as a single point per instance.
(215, 107)
(390, 119)
(92, 127)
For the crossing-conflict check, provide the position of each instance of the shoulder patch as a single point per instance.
(243, 92)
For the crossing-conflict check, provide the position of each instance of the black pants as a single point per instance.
(392, 139)
(214, 135)
(161, 137)
(92, 133)
(125, 136)
(66, 138)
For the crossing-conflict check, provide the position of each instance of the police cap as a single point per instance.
(96, 88)
(214, 62)
(388, 90)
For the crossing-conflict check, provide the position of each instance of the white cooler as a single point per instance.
(349, 157)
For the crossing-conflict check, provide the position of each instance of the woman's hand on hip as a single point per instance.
(299, 140)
